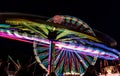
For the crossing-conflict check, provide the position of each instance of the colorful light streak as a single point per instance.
(70, 47)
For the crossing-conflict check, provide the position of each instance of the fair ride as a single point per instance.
(61, 44)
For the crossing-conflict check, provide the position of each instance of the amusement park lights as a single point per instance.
(71, 47)
(61, 44)
(70, 73)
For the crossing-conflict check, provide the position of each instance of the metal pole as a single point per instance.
(51, 66)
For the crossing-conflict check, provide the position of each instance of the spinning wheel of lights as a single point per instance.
(57, 46)
(66, 60)
(62, 56)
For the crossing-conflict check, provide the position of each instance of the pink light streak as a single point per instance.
(81, 49)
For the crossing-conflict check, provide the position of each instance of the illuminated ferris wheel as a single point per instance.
(61, 44)
(69, 51)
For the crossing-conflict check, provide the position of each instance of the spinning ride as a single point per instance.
(61, 44)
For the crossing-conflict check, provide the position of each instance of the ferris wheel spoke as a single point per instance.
(86, 60)
(43, 53)
(74, 61)
(43, 56)
(81, 60)
(58, 56)
(77, 64)
(60, 59)
(61, 63)
(45, 62)
(82, 69)
(42, 49)
(71, 68)
(69, 64)
(60, 69)
(65, 63)
(89, 59)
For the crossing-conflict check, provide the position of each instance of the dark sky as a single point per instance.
(102, 15)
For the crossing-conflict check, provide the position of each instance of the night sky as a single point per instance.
(103, 15)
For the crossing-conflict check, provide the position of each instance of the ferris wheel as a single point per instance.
(65, 58)
(61, 44)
